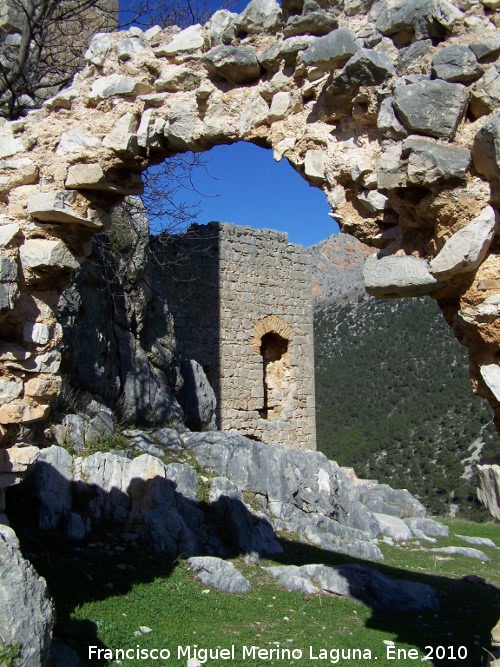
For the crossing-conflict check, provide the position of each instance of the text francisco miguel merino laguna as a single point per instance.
(202, 655)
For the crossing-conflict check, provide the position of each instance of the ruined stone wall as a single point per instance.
(229, 287)
(392, 110)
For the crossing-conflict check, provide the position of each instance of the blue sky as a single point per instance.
(243, 184)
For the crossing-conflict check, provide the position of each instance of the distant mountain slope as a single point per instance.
(338, 268)
(392, 388)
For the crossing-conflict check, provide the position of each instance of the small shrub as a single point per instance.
(8, 654)
(107, 443)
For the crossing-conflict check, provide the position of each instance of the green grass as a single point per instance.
(104, 593)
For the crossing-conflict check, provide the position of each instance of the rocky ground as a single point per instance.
(212, 496)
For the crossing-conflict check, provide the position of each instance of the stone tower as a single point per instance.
(242, 305)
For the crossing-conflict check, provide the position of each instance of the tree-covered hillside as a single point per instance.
(394, 400)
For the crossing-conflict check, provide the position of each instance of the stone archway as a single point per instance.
(276, 374)
(271, 342)
(409, 165)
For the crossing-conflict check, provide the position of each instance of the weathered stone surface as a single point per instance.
(147, 398)
(143, 443)
(75, 431)
(49, 362)
(491, 375)
(332, 50)
(8, 270)
(186, 41)
(461, 551)
(495, 642)
(467, 248)
(10, 389)
(98, 48)
(395, 276)
(91, 177)
(412, 53)
(359, 582)
(75, 141)
(185, 479)
(22, 171)
(429, 527)
(249, 532)
(9, 145)
(18, 460)
(485, 312)
(365, 68)
(486, 50)
(430, 162)
(176, 77)
(123, 135)
(293, 578)
(56, 206)
(44, 255)
(26, 611)
(312, 23)
(196, 397)
(314, 165)
(167, 437)
(281, 106)
(43, 387)
(63, 100)
(183, 129)
(219, 22)
(387, 121)
(100, 426)
(456, 64)
(255, 113)
(485, 94)
(356, 7)
(432, 108)
(259, 16)
(488, 486)
(13, 352)
(219, 574)
(373, 200)
(424, 18)
(286, 50)
(393, 527)
(116, 84)
(9, 293)
(36, 332)
(391, 169)
(126, 48)
(8, 233)
(479, 541)
(52, 481)
(331, 536)
(310, 491)
(237, 64)
(151, 130)
(486, 150)
(344, 128)
(395, 502)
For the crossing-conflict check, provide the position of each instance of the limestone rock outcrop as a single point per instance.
(488, 491)
(26, 611)
(293, 490)
(365, 102)
(358, 582)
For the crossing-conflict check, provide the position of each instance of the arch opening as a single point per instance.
(275, 373)
(239, 183)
